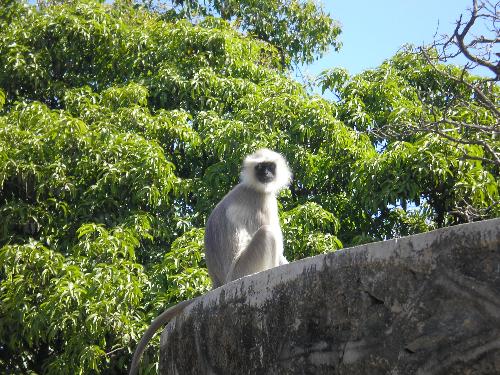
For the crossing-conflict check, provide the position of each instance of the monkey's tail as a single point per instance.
(160, 320)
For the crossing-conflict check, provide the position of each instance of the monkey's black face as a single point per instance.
(265, 171)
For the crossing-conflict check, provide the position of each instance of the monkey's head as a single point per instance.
(265, 171)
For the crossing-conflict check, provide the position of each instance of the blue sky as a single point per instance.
(373, 31)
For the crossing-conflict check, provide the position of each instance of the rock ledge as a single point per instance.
(423, 304)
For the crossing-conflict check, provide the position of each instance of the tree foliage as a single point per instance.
(436, 116)
(121, 127)
(300, 30)
(424, 152)
(120, 131)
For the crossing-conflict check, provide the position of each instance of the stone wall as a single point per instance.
(424, 304)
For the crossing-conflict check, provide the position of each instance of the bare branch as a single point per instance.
(114, 351)
(481, 40)
(460, 124)
(471, 213)
(459, 36)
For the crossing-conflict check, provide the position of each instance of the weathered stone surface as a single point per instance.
(425, 304)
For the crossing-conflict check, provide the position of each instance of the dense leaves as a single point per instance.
(119, 133)
(440, 138)
(121, 128)
(300, 29)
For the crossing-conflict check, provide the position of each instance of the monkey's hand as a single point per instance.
(282, 260)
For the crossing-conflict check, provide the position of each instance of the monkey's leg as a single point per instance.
(259, 255)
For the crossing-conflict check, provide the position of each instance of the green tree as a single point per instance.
(300, 30)
(438, 124)
(432, 151)
(120, 130)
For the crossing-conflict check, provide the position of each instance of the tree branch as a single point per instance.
(460, 39)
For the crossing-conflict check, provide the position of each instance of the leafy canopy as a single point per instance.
(300, 30)
(120, 131)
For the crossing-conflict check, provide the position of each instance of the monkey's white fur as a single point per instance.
(243, 233)
(283, 174)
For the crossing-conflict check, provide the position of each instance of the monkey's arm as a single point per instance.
(160, 320)
(259, 255)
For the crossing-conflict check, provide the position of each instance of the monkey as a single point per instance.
(242, 234)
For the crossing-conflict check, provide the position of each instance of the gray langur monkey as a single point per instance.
(243, 234)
